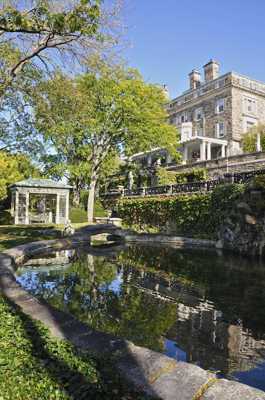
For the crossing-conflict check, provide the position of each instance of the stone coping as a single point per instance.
(148, 371)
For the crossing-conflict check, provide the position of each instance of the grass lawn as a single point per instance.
(35, 366)
(11, 235)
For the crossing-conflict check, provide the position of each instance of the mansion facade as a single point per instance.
(213, 115)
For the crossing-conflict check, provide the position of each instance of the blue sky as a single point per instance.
(171, 37)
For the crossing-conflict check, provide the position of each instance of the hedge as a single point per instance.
(198, 214)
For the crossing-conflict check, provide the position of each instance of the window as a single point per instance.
(250, 105)
(198, 114)
(220, 106)
(220, 129)
(184, 117)
(248, 123)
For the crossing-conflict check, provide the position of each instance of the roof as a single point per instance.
(40, 183)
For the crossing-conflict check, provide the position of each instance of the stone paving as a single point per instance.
(151, 372)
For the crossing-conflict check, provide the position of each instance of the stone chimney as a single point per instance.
(166, 92)
(195, 79)
(211, 70)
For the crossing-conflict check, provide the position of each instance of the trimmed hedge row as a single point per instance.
(191, 215)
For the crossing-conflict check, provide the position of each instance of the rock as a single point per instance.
(250, 219)
(219, 244)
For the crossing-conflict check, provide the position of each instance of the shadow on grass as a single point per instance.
(103, 385)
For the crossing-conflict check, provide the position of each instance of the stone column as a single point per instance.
(16, 208)
(223, 150)
(185, 154)
(27, 209)
(258, 143)
(202, 150)
(57, 215)
(209, 151)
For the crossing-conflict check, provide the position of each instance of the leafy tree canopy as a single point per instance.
(14, 168)
(250, 138)
(113, 110)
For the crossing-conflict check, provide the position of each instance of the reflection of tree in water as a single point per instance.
(85, 289)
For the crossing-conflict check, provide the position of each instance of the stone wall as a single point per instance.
(239, 114)
(218, 167)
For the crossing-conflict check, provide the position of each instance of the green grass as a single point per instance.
(13, 235)
(79, 215)
(35, 366)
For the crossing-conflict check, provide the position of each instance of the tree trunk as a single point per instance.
(91, 197)
(76, 197)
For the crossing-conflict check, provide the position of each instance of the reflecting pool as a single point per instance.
(202, 307)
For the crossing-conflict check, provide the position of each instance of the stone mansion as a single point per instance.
(213, 115)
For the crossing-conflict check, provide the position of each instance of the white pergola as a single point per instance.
(51, 202)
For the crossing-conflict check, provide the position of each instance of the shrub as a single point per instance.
(259, 182)
(199, 214)
(166, 177)
(186, 213)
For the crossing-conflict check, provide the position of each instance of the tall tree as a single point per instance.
(38, 36)
(113, 110)
(32, 32)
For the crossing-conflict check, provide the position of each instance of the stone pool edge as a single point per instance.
(148, 371)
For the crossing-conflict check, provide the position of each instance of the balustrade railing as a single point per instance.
(190, 187)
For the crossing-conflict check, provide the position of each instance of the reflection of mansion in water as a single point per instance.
(201, 330)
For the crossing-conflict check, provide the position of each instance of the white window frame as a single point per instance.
(249, 105)
(198, 114)
(218, 104)
(218, 133)
(184, 116)
(251, 120)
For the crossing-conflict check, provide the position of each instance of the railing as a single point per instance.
(191, 187)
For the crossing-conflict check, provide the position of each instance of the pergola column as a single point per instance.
(209, 151)
(27, 209)
(202, 150)
(16, 208)
(57, 215)
(149, 160)
(67, 208)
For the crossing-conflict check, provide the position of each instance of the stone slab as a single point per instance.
(231, 390)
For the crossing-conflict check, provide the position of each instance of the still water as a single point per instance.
(196, 306)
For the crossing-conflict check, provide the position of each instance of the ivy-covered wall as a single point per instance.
(197, 215)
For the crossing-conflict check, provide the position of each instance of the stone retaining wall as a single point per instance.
(220, 166)
(151, 372)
